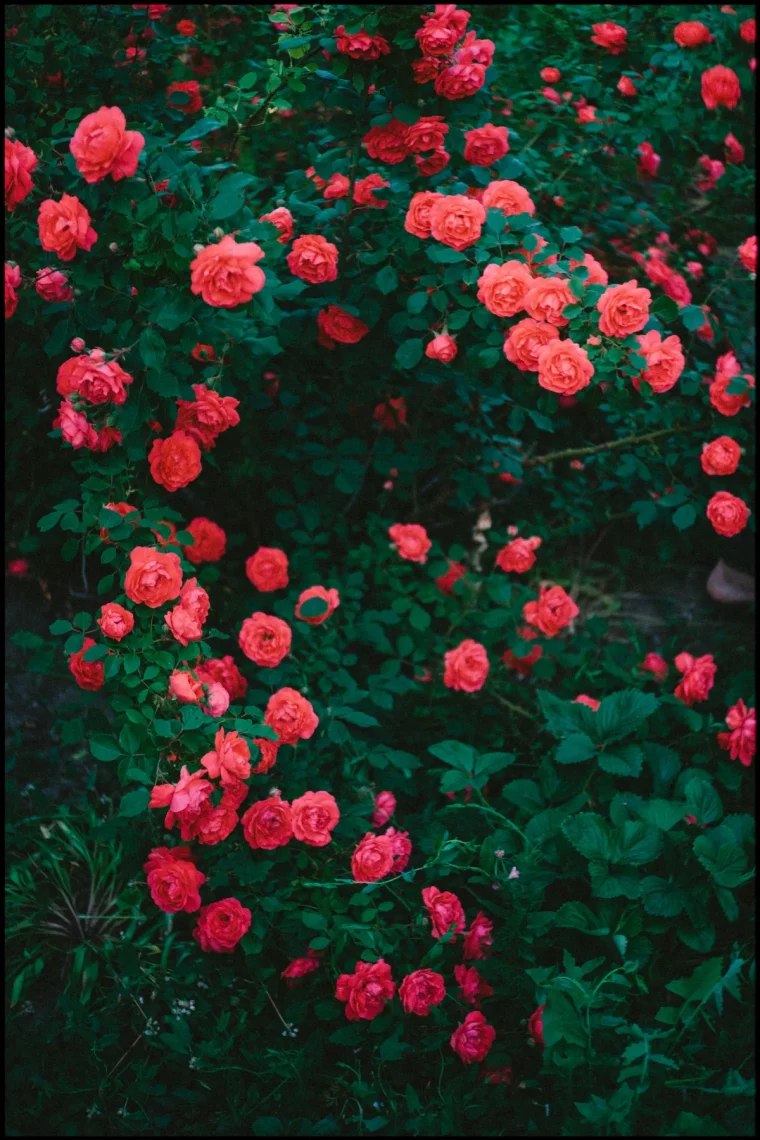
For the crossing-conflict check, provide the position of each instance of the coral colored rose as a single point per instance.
(428, 133)
(503, 288)
(460, 81)
(564, 367)
(330, 597)
(446, 581)
(426, 69)
(456, 221)
(176, 461)
(152, 578)
(518, 555)
(437, 38)
(392, 415)
(207, 416)
(590, 702)
(385, 806)
(624, 309)
(525, 340)
(536, 1025)
(411, 541)
(610, 36)
(597, 274)
(102, 145)
(291, 716)
(96, 380)
(713, 169)
(401, 848)
(372, 859)
(471, 986)
(314, 815)
(740, 742)
(12, 283)
(366, 990)
(209, 541)
(185, 28)
(184, 625)
(360, 45)
(337, 187)
(64, 227)
(268, 750)
(221, 925)
(648, 161)
(546, 299)
(301, 967)
(509, 197)
(184, 687)
(191, 790)
(442, 348)
(87, 674)
(74, 427)
(421, 990)
(313, 259)
(19, 567)
(727, 513)
(728, 403)
(341, 326)
(626, 86)
(485, 145)
(478, 938)
(665, 361)
(433, 164)
(217, 700)
(20, 161)
(265, 640)
(553, 610)
(747, 31)
(193, 101)
(690, 33)
(52, 285)
(282, 219)
(173, 879)
(551, 95)
(267, 569)
(748, 254)
(698, 677)
(720, 88)
(364, 191)
(226, 274)
(267, 824)
(721, 456)
(417, 219)
(450, 16)
(734, 149)
(472, 1040)
(223, 671)
(115, 621)
(387, 143)
(214, 824)
(656, 665)
(445, 910)
(476, 51)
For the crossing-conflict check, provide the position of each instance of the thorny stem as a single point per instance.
(610, 445)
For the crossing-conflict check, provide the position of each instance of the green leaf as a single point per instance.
(662, 897)
(458, 755)
(726, 863)
(626, 760)
(104, 748)
(313, 920)
(152, 349)
(360, 719)
(200, 129)
(561, 1021)
(703, 802)
(665, 309)
(247, 81)
(60, 626)
(589, 835)
(409, 353)
(575, 749)
(524, 794)
(692, 317)
(313, 607)
(578, 916)
(133, 803)
(387, 280)
(621, 714)
(570, 234)
(684, 517)
(635, 842)
(566, 717)
(662, 813)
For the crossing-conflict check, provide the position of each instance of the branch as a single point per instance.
(611, 445)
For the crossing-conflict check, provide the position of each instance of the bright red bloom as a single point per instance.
(472, 1040)
(740, 741)
(472, 987)
(421, 990)
(698, 677)
(445, 910)
(478, 937)
(366, 990)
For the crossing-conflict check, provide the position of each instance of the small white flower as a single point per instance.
(514, 874)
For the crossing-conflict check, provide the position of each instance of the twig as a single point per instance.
(610, 445)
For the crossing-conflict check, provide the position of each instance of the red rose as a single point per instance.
(387, 143)
(314, 815)
(291, 716)
(313, 259)
(209, 541)
(392, 415)
(191, 90)
(176, 461)
(87, 674)
(698, 677)
(455, 571)
(265, 640)
(472, 1040)
(268, 824)
(720, 88)
(518, 555)
(727, 513)
(720, 456)
(207, 416)
(337, 324)
(536, 1025)
(372, 859)
(301, 967)
(740, 741)
(115, 621)
(466, 667)
(221, 925)
(485, 145)
(330, 598)
(611, 36)
(366, 990)
(152, 578)
(445, 910)
(267, 569)
(360, 45)
(421, 990)
(552, 612)
(442, 348)
(173, 879)
(478, 937)
(656, 665)
(471, 986)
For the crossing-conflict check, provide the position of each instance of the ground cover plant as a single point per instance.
(358, 360)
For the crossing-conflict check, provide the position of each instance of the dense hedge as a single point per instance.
(341, 339)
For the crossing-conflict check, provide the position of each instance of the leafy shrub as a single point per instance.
(365, 337)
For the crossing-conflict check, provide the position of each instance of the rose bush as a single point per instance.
(363, 344)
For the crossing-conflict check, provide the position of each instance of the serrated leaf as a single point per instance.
(626, 760)
(133, 803)
(575, 749)
(589, 835)
(458, 755)
(661, 897)
(621, 714)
